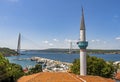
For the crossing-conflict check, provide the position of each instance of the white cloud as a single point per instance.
(67, 40)
(50, 44)
(97, 40)
(56, 40)
(92, 40)
(101, 44)
(117, 38)
(46, 42)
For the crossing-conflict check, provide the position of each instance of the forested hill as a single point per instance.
(76, 51)
(7, 52)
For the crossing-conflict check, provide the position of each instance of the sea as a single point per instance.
(56, 56)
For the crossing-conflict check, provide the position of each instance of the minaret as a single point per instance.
(82, 45)
(18, 46)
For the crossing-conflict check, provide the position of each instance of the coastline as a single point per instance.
(49, 65)
(25, 61)
(76, 51)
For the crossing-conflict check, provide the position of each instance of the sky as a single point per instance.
(54, 23)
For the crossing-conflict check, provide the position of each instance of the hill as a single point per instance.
(76, 51)
(7, 52)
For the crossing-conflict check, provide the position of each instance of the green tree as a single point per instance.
(9, 72)
(95, 66)
(3, 67)
(76, 66)
(15, 71)
(36, 69)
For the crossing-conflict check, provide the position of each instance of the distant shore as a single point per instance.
(76, 51)
(9, 52)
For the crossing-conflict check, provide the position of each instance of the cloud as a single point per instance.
(73, 41)
(67, 40)
(100, 44)
(92, 40)
(97, 40)
(50, 44)
(46, 42)
(117, 38)
(56, 40)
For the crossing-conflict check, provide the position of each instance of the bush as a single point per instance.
(9, 72)
(95, 66)
(36, 69)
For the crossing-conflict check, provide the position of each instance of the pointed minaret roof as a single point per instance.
(82, 26)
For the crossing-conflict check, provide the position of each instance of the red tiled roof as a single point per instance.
(118, 76)
(61, 77)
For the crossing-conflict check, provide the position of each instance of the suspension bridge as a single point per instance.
(71, 43)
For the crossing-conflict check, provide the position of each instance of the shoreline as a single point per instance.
(49, 65)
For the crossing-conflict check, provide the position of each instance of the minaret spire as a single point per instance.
(82, 27)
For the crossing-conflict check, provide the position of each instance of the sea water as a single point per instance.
(56, 56)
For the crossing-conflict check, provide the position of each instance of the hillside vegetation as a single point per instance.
(9, 72)
(76, 51)
(7, 52)
(96, 67)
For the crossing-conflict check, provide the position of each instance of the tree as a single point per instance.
(75, 68)
(3, 67)
(9, 72)
(15, 71)
(36, 69)
(95, 66)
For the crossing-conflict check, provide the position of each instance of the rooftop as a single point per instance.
(61, 77)
(118, 76)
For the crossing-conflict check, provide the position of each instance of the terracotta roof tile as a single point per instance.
(61, 77)
(118, 76)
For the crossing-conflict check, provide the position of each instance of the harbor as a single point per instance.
(48, 65)
(25, 60)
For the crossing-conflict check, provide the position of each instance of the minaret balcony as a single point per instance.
(82, 44)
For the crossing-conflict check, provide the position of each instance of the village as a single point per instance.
(49, 65)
